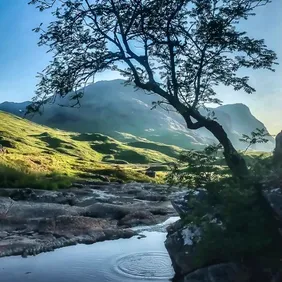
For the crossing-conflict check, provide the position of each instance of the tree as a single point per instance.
(179, 49)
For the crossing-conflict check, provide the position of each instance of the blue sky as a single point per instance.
(21, 59)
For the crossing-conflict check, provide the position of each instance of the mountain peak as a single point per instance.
(109, 107)
(235, 106)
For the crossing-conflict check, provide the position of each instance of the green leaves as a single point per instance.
(179, 49)
(234, 223)
(233, 217)
(189, 47)
(196, 168)
(257, 136)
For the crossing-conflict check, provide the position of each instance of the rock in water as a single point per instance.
(181, 240)
(180, 246)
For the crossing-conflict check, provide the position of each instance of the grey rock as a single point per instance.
(149, 196)
(225, 272)
(274, 199)
(38, 221)
(34, 210)
(182, 239)
(23, 194)
(180, 199)
(138, 218)
(3, 234)
(180, 246)
(107, 211)
(277, 154)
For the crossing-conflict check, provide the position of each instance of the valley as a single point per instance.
(112, 136)
(136, 143)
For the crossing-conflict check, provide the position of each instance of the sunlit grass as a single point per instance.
(36, 153)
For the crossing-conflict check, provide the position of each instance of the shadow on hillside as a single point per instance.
(53, 142)
(91, 137)
(57, 144)
(15, 178)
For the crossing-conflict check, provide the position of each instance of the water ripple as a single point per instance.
(147, 265)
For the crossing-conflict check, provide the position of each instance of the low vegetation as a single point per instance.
(11, 177)
(231, 207)
(35, 153)
(230, 210)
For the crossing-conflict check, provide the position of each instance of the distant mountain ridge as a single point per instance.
(111, 108)
(13, 107)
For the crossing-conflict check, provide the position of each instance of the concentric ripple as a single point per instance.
(149, 265)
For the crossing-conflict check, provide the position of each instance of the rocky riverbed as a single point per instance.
(35, 221)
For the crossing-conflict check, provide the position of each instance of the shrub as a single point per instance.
(235, 220)
(235, 223)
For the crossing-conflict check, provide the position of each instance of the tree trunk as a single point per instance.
(234, 160)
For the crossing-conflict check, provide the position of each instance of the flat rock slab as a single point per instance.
(35, 221)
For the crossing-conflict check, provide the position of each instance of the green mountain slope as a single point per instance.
(109, 107)
(32, 148)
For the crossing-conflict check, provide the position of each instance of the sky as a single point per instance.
(21, 59)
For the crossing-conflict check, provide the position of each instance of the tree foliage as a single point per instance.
(179, 49)
(200, 168)
(197, 168)
(258, 136)
(187, 47)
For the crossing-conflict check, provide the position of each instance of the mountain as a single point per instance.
(109, 107)
(14, 108)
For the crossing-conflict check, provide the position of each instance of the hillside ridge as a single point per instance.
(34, 148)
(109, 107)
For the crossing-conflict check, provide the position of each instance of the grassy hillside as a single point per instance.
(167, 150)
(39, 152)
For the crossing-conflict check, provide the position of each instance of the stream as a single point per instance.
(125, 260)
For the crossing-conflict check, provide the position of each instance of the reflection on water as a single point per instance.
(122, 260)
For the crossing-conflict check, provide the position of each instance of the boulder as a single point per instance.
(151, 196)
(69, 226)
(137, 218)
(23, 195)
(150, 173)
(277, 154)
(225, 272)
(24, 209)
(105, 210)
(180, 200)
(274, 198)
(180, 246)
(181, 239)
